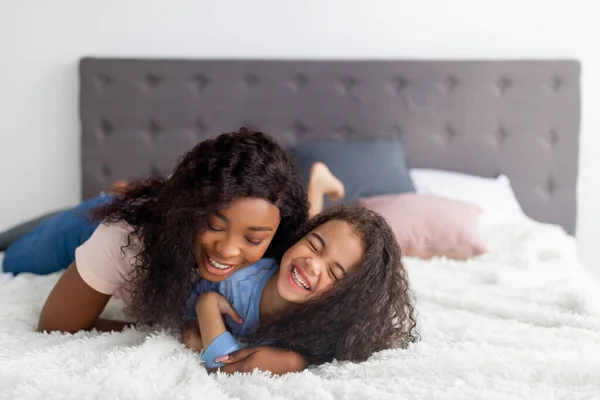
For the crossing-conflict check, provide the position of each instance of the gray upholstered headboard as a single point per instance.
(519, 118)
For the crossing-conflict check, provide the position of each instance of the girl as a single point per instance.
(340, 292)
(156, 236)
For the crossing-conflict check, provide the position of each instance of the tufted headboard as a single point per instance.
(519, 118)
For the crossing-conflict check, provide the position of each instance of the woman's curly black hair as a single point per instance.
(368, 311)
(167, 214)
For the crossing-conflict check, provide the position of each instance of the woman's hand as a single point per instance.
(264, 358)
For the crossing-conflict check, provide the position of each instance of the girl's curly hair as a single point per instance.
(368, 311)
(167, 214)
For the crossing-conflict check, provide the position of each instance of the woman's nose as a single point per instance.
(227, 248)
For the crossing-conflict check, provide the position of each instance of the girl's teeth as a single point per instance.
(299, 280)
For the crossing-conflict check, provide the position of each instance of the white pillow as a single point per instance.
(495, 196)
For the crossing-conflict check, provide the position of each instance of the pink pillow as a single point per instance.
(429, 226)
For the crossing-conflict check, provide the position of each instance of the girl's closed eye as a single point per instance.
(335, 278)
(316, 251)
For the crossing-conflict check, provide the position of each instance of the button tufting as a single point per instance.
(153, 81)
(346, 131)
(555, 83)
(201, 128)
(299, 129)
(298, 81)
(105, 171)
(105, 128)
(398, 84)
(501, 135)
(449, 133)
(251, 80)
(547, 189)
(552, 138)
(199, 82)
(347, 84)
(502, 84)
(449, 84)
(103, 80)
(153, 169)
(154, 129)
(251, 126)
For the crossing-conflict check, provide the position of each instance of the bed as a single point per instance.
(520, 321)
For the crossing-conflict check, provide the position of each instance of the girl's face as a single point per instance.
(236, 237)
(319, 260)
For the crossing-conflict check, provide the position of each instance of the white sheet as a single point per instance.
(519, 322)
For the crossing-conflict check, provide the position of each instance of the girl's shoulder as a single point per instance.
(252, 274)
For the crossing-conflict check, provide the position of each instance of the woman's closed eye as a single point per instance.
(254, 242)
(214, 228)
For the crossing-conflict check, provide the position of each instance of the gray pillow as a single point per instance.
(16, 232)
(367, 167)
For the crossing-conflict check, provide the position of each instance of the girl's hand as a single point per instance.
(264, 358)
(213, 300)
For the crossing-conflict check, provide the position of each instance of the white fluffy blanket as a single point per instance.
(520, 322)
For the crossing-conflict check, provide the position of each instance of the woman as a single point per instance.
(156, 235)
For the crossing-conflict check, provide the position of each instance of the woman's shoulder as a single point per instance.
(113, 241)
(115, 232)
(104, 261)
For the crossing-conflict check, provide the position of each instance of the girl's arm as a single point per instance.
(222, 351)
(192, 337)
(217, 341)
(73, 306)
(210, 318)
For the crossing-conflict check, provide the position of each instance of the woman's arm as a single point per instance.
(210, 309)
(264, 358)
(73, 306)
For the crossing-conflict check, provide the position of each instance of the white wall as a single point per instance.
(41, 42)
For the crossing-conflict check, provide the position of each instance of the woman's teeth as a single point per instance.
(218, 265)
(296, 277)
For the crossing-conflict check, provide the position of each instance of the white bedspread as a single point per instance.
(520, 322)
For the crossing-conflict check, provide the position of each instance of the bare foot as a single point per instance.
(119, 187)
(322, 178)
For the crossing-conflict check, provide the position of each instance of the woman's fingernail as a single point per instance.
(222, 358)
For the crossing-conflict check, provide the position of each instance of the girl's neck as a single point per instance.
(271, 303)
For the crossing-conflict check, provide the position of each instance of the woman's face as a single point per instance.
(319, 260)
(236, 237)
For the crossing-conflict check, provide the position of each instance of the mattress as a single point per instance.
(522, 321)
